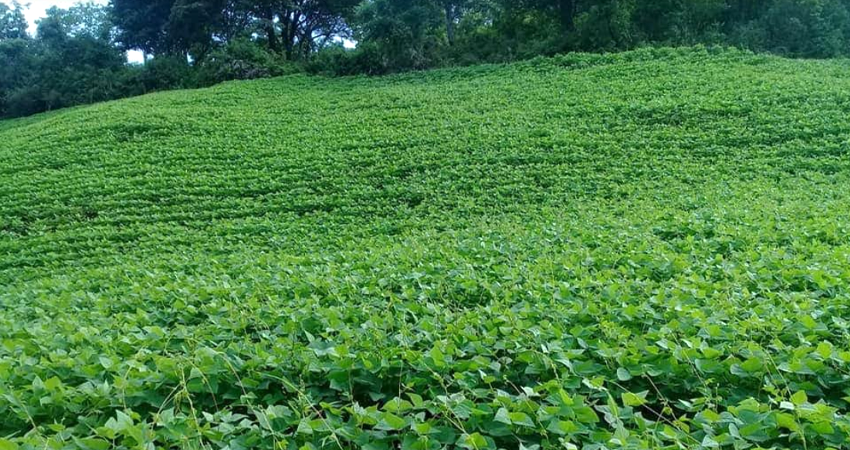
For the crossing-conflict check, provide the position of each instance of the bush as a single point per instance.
(366, 59)
(242, 59)
(165, 72)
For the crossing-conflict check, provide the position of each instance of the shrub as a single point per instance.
(243, 59)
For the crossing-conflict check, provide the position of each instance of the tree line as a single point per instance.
(76, 55)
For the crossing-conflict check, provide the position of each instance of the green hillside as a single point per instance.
(643, 250)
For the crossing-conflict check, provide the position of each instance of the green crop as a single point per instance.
(634, 251)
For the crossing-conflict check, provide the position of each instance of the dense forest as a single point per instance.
(77, 55)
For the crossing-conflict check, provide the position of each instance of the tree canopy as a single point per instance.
(13, 23)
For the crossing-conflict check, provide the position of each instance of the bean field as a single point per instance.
(647, 250)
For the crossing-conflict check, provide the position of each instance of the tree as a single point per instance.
(70, 61)
(453, 10)
(403, 32)
(142, 24)
(192, 25)
(84, 19)
(296, 28)
(808, 28)
(606, 25)
(15, 54)
(13, 23)
(299, 28)
(16, 70)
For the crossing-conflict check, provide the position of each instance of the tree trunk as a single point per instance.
(450, 22)
(273, 45)
(567, 8)
(272, 39)
(290, 32)
(305, 43)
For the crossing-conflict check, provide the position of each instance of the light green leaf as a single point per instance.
(632, 399)
(520, 418)
(799, 398)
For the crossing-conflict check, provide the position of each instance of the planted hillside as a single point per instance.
(643, 250)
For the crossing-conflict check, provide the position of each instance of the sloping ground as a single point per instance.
(644, 250)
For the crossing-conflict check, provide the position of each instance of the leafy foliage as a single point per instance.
(642, 250)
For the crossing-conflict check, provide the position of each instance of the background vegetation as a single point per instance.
(76, 55)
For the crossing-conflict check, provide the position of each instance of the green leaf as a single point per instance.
(412, 442)
(390, 421)
(369, 446)
(585, 414)
(416, 399)
(503, 416)
(631, 399)
(53, 384)
(438, 357)
(92, 444)
(423, 428)
(823, 428)
(6, 444)
(799, 398)
(474, 441)
(522, 419)
(752, 365)
(787, 421)
(824, 350)
(106, 362)
(304, 427)
(562, 427)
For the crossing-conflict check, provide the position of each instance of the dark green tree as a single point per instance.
(69, 62)
(192, 26)
(143, 24)
(808, 28)
(605, 25)
(13, 23)
(403, 33)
